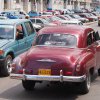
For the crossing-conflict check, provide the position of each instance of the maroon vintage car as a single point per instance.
(60, 54)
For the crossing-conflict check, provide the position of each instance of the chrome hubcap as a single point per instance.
(8, 65)
(88, 81)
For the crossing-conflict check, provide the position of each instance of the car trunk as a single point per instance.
(51, 60)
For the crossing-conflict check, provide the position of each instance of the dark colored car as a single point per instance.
(68, 53)
(86, 16)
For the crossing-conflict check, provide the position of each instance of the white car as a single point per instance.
(2, 16)
(55, 18)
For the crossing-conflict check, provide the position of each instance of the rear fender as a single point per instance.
(85, 62)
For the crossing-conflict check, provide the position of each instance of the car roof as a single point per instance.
(65, 29)
(13, 21)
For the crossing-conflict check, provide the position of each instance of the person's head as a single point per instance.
(17, 33)
(27, 17)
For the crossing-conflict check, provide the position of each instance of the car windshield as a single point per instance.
(54, 18)
(76, 16)
(6, 32)
(68, 16)
(57, 39)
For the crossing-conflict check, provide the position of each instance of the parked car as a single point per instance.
(95, 18)
(16, 36)
(98, 21)
(41, 23)
(64, 21)
(85, 15)
(15, 14)
(11, 14)
(33, 14)
(3, 17)
(68, 53)
(48, 18)
(70, 17)
(79, 18)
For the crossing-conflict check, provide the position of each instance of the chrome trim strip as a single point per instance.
(48, 78)
(46, 60)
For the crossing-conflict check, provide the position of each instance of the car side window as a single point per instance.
(96, 36)
(29, 28)
(89, 39)
(39, 21)
(33, 20)
(19, 32)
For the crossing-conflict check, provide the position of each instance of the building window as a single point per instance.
(72, 2)
(17, 1)
(68, 2)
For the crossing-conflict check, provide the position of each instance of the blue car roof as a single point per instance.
(12, 21)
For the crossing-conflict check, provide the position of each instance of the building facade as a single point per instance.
(41, 5)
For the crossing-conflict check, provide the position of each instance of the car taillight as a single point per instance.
(24, 71)
(78, 68)
(68, 73)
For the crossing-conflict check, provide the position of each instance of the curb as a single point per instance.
(90, 23)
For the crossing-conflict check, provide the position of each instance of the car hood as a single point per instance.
(3, 42)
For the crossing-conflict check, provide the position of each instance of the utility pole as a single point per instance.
(35, 5)
(41, 6)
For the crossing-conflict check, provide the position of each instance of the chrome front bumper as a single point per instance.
(60, 78)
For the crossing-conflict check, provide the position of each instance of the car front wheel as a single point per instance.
(6, 69)
(98, 24)
(28, 84)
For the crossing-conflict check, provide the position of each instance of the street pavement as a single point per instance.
(11, 89)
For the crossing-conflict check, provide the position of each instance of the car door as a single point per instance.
(96, 38)
(20, 39)
(31, 33)
(93, 45)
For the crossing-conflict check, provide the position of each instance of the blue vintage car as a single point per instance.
(33, 14)
(10, 14)
(16, 37)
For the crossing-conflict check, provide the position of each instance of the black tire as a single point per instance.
(28, 85)
(98, 24)
(99, 71)
(85, 86)
(5, 70)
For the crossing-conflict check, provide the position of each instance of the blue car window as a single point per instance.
(29, 28)
(6, 32)
(19, 32)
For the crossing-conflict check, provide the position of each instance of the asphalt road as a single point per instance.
(12, 89)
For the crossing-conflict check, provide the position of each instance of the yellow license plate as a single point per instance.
(44, 72)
